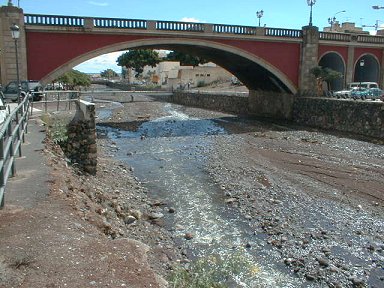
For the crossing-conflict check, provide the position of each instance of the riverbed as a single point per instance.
(303, 206)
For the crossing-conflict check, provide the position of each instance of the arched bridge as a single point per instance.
(263, 58)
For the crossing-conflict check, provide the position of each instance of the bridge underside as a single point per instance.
(251, 74)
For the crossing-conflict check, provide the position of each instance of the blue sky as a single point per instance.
(279, 13)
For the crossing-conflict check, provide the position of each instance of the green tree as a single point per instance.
(138, 59)
(325, 75)
(185, 59)
(74, 78)
(109, 73)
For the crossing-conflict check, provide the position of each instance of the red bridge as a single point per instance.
(269, 59)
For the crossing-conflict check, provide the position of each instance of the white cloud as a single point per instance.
(190, 19)
(100, 63)
(102, 4)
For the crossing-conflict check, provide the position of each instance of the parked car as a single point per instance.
(362, 93)
(375, 93)
(353, 88)
(4, 112)
(34, 87)
(342, 94)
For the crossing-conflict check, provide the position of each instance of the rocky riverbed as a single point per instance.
(314, 198)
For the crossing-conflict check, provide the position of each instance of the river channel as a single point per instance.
(170, 154)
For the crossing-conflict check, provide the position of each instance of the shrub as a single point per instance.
(213, 272)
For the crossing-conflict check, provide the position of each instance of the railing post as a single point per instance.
(208, 28)
(260, 31)
(88, 23)
(151, 25)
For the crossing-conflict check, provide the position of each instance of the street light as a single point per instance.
(15, 32)
(376, 7)
(311, 3)
(259, 14)
(332, 20)
(362, 63)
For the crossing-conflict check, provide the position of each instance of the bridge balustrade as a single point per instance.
(331, 36)
(234, 29)
(370, 39)
(119, 23)
(179, 26)
(53, 20)
(281, 32)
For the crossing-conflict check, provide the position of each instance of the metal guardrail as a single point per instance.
(11, 136)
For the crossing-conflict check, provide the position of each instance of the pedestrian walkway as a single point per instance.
(30, 185)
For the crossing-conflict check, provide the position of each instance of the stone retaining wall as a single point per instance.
(358, 117)
(81, 148)
(230, 104)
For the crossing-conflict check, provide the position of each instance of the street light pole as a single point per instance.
(332, 20)
(362, 63)
(259, 14)
(376, 7)
(311, 3)
(15, 32)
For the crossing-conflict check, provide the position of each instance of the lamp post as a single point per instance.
(332, 20)
(311, 3)
(15, 32)
(376, 7)
(362, 63)
(259, 14)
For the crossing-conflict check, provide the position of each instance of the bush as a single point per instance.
(57, 129)
(213, 272)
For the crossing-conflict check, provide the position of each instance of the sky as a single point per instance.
(292, 14)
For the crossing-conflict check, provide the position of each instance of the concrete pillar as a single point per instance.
(309, 59)
(350, 69)
(10, 15)
(381, 76)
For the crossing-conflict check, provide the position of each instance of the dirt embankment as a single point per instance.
(89, 232)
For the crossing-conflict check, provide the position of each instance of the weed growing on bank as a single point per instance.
(214, 272)
(57, 129)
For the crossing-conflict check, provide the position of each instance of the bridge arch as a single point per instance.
(334, 61)
(367, 69)
(255, 72)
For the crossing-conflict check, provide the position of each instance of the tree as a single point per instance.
(185, 59)
(325, 75)
(109, 73)
(74, 79)
(138, 59)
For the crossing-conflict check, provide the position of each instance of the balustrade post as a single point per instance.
(88, 23)
(151, 25)
(208, 28)
(260, 31)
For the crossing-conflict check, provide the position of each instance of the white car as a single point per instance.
(4, 112)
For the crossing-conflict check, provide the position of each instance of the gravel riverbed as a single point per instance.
(315, 198)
